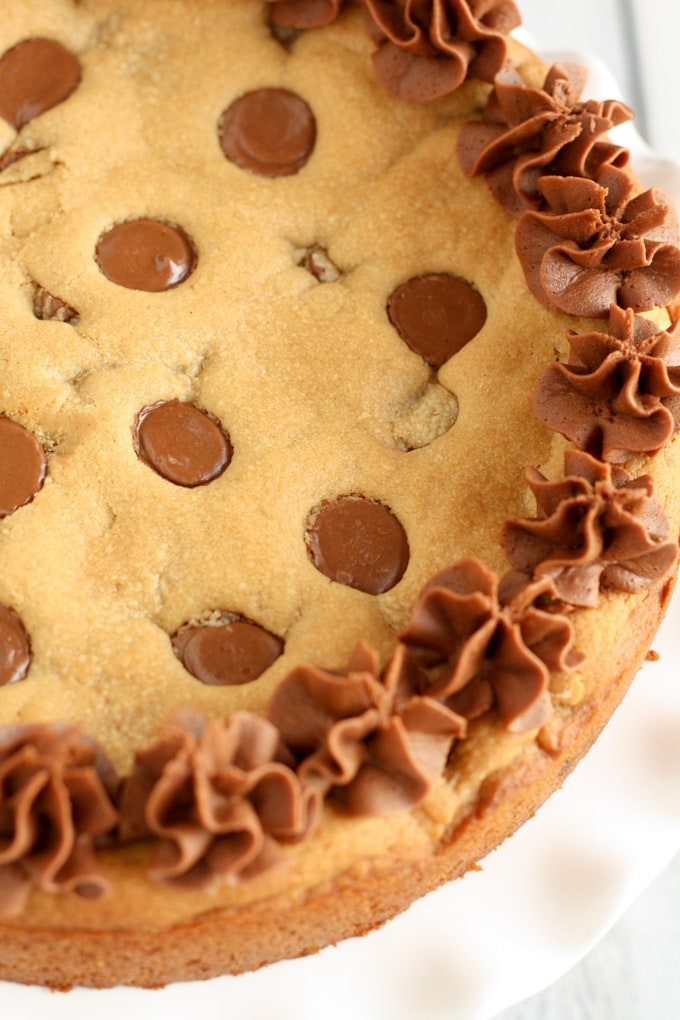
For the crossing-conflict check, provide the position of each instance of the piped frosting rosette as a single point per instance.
(372, 743)
(489, 646)
(597, 243)
(57, 807)
(619, 393)
(527, 133)
(427, 48)
(218, 800)
(596, 528)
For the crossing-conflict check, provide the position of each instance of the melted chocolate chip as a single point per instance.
(226, 653)
(50, 308)
(181, 443)
(23, 466)
(35, 75)
(358, 542)
(436, 315)
(270, 131)
(285, 34)
(146, 254)
(15, 648)
(317, 262)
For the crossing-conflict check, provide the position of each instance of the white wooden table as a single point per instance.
(634, 973)
(638, 39)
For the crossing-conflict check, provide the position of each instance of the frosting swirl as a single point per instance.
(526, 133)
(488, 647)
(596, 245)
(217, 798)
(57, 794)
(427, 48)
(596, 528)
(373, 744)
(620, 392)
(305, 13)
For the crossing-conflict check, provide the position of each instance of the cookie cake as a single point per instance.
(339, 491)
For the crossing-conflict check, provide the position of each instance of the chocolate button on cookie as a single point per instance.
(436, 315)
(15, 648)
(228, 652)
(181, 443)
(146, 254)
(35, 75)
(358, 542)
(270, 131)
(23, 466)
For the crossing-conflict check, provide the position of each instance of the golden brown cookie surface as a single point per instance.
(318, 393)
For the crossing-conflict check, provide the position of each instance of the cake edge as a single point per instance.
(222, 942)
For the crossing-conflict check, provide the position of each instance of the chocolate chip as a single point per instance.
(181, 443)
(227, 652)
(436, 315)
(35, 75)
(146, 254)
(15, 647)
(269, 131)
(358, 542)
(50, 308)
(316, 261)
(23, 466)
(284, 34)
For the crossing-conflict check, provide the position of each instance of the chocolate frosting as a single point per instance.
(372, 744)
(305, 13)
(485, 647)
(527, 133)
(218, 800)
(427, 48)
(229, 651)
(35, 75)
(436, 315)
(182, 443)
(620, 392)
(358, 542)
(596, 528)
(271, 132)
(596, 245)
(23, 466)
(57, 794)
